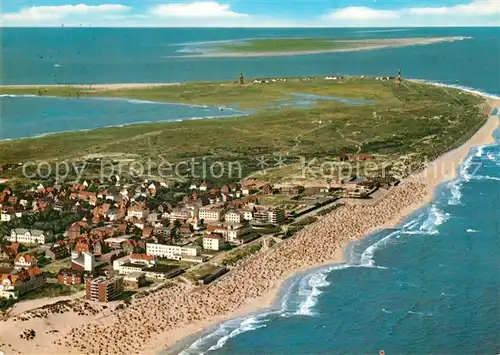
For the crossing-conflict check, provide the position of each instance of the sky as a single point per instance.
(249, 13)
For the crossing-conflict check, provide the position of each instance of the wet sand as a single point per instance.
(164, 318)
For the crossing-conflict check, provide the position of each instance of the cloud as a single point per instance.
(361, 13)
(42, 14)
(201, 9)
(475, 8)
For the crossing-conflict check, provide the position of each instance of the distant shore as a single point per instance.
(361, 45)
(100, 87)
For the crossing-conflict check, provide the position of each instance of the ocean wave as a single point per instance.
(486, 177)
(461, 87)
(471, 231)
(225, 332)
(421, 313)
(367, 256)
(435, 218)
(247, 325)
(14, 95)
(386, 311)
(381, 31)
(492, 157)
(310, 288)
(456, 192)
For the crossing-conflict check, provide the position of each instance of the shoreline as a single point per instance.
(412, 194)
(273, 297)
(393, 43)
(98, 87)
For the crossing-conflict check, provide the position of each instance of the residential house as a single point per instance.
(213, 242)
(69, 277)
(237, 232)
(25, 261)
(233, 216)
(19, 282)
(139, 211)
(57, 252)
(29, 236)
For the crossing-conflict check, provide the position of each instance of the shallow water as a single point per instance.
(429, 286)
(29, 116)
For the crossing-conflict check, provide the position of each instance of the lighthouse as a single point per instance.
(241, 79)
(398, 80)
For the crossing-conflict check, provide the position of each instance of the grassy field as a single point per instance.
(412, 120)
(287, 44)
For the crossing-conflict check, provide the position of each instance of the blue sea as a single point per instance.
(431, 285)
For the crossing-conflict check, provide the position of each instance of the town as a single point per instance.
(110, 240)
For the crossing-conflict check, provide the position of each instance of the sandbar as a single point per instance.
(357, 45)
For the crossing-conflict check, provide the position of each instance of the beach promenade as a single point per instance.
(163, 318)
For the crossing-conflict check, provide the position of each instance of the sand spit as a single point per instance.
(97, 87)
(165, 317)
(366, 44)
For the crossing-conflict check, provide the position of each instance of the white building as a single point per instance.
(9, 216)
(233, 216)
(247, 215)
(138, 211)
(117, 263)
(29, 236)
(210, 214)
(25, 261)
(174, 252)
(84, 261)
(235, 231)
(129, 268)
(212, 242)
(179, 213)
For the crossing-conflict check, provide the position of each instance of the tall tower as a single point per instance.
(398, 80)
(242, 81)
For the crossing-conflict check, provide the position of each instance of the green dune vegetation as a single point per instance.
(288, 44)
(412, 122)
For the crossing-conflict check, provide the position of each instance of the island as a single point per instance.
(296, 46)
(319, 162)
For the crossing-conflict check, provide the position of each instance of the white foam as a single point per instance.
(247, 325)
(386, 311)
(225, 332)
(480, 151)
(312, 290)
(471, 231)
(491, 156)
(367, 256)
(421, 313)
(486, 177)
(12, 95)
(461, 87)
(456, 193)
(435, 218)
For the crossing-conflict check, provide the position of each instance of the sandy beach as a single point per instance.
(362, 45)
(166, 317)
